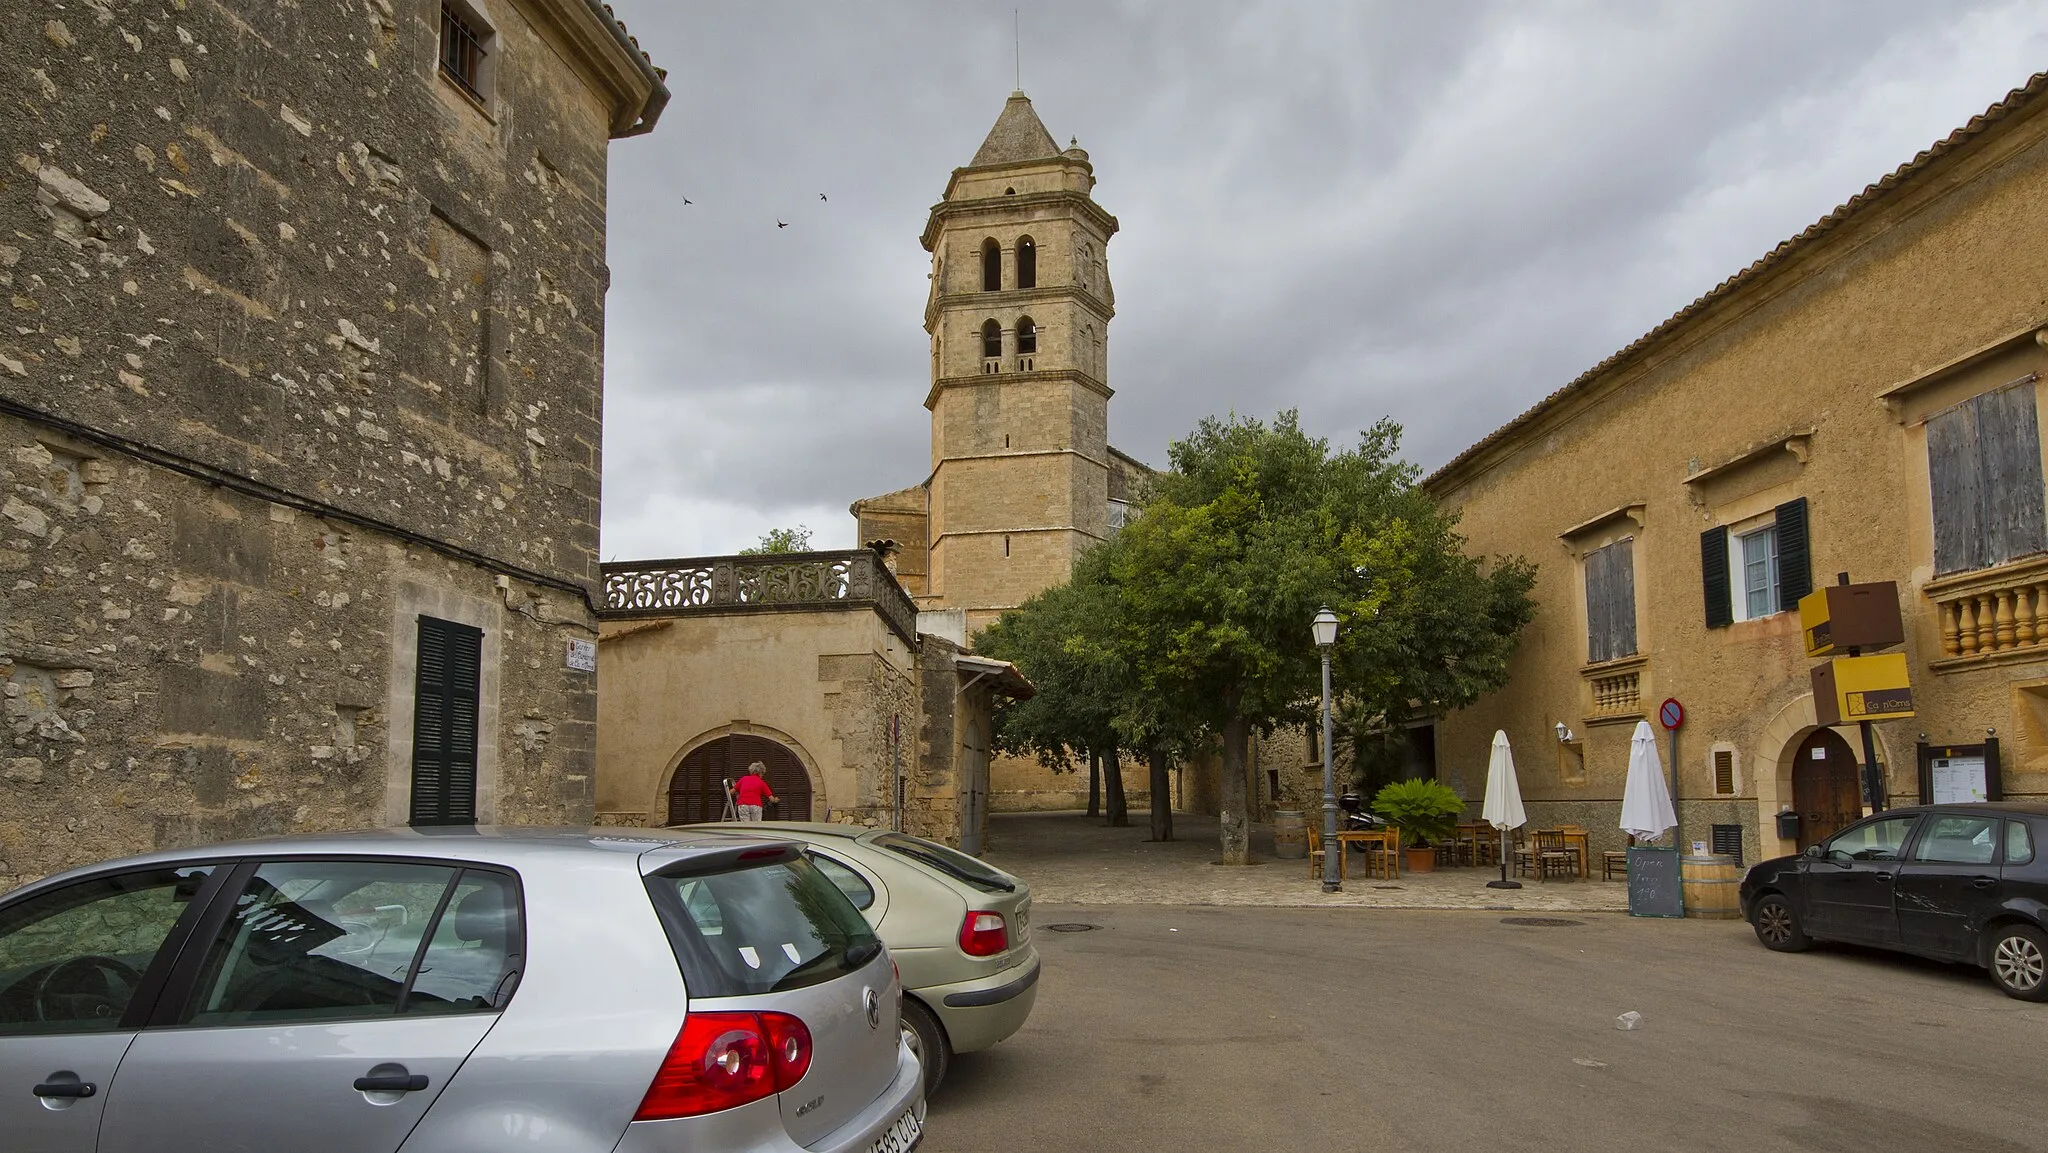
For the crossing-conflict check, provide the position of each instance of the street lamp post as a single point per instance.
(1325, 629)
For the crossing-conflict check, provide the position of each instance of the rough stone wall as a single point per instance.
(865, 692)
(279, 247)
(1774, 389)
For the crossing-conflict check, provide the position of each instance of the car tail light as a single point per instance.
(983, 935)
(724, 1060)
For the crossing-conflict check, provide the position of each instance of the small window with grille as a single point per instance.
(1724, 772)
(466, 44)
(1728, 842)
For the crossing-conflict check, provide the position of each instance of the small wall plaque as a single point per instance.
(583, 655)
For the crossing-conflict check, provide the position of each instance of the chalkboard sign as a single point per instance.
(1653, 884)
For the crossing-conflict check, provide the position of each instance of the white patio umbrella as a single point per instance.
(1646, 810)
(1503, 806)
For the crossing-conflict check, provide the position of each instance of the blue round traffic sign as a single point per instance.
(1671, 714)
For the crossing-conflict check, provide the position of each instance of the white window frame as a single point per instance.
(1738, 567)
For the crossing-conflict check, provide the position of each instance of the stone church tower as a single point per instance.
(1022, 475)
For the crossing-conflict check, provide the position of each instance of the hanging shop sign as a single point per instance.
(1872, 688)
(1837, 618)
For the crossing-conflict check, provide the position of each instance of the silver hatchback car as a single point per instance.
(435, 990)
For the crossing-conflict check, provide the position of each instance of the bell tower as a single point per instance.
(1019, 322)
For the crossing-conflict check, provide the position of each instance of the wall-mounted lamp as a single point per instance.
(1564, 734)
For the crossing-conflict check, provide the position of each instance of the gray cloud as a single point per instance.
(1436, 212)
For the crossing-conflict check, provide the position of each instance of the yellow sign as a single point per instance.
(1814, 624)
(1861, 616)
(1874, 688)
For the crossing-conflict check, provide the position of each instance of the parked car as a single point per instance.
(959, 928)
(451, 989)
(1965, 882)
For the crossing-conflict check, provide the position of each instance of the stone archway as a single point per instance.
(1777, 751)
(695, 789)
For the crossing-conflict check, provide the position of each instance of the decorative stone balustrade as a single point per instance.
(781, 582)
(1992, 612)
(1614, 689)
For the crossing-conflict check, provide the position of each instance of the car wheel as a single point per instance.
(2019, 962)
(927, 1039)
(1777, 925)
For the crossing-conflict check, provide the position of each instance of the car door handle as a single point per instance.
(392, 1083)
(1881, 878)
(66, 1089)
(1983, 882)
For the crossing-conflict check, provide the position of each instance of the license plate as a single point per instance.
(902, 1137)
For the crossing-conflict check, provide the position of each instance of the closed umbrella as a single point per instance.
(1503, 807)
(1646, 810)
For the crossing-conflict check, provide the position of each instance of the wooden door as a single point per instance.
(1826, 790)
(697, 791)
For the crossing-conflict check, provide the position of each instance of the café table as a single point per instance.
(1388, 840)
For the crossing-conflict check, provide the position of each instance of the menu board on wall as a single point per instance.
(1958, 780)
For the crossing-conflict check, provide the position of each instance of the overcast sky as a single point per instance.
(1440, 212)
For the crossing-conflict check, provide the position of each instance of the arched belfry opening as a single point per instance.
(991, 266)
(1027, 337)
(1027, 263)
(991, 339)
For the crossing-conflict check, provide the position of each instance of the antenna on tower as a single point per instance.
(1017, 44)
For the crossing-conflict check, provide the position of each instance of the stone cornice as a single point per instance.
(590, 36)
(1050, 376)
(1016, 298)
(1007, 207)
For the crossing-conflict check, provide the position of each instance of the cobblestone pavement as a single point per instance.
(1071, 859)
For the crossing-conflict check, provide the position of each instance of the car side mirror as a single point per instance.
(1814, 852)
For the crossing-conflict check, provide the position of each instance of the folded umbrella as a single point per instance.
(1503, 806)
(1646, 810)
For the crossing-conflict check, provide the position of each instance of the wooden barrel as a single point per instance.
(1710, 885)
(1290, 834)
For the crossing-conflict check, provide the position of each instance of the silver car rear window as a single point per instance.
(760, 928)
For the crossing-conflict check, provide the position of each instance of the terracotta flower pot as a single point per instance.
(1419, 859)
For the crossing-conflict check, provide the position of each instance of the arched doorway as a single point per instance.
(1826, 789)
(697, 791)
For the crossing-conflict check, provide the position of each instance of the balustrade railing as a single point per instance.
(776, 581)
(1994, 611)
(1614, 688)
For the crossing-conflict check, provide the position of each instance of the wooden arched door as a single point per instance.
(1825, 786)
(697, 791)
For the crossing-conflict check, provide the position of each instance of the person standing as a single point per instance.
(753, 792)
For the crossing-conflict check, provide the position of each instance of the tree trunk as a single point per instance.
(1234, 830)
(1113, 789)
(1094, 783)
(1162, 795)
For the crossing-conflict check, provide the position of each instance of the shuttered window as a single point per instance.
(444, 723)
(1763, 569)
(1611, 602)
(1724, 772)
(1984, 467)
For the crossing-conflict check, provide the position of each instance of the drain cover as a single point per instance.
(1071, 927)
(1540, 922)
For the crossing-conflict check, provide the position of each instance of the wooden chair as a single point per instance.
(1614, 861)
(1384, 858)
(1315, 854)
(1549, 853)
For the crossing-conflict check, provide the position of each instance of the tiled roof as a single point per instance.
(1017, 136)
(2015, 100)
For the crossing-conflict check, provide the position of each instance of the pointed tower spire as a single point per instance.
(1018, 136)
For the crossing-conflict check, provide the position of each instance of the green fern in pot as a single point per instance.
(1425, 811)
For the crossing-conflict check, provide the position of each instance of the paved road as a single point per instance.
(1383, 1030)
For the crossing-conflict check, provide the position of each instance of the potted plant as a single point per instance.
(1425, 811)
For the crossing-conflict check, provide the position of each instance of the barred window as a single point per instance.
(465, 49)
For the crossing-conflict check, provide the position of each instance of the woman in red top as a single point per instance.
(753, 792)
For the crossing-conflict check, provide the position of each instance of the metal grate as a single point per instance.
(1728, 841)
(462, 52)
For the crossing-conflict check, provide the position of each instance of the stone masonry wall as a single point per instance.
(267, 249)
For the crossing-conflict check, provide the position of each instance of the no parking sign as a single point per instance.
(1671, 714)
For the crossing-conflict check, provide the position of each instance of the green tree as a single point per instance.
(1251, 531)
(781, 540)
(1063, 641)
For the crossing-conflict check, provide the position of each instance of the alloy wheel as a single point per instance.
(1774, 923)
(2019, 963)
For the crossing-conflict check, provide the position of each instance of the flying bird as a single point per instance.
(821, 196)
(687, 200)
(780, 224)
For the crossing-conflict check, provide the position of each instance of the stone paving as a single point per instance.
(1071, 859)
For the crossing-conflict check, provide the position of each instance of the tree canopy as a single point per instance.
(1193, 623)
(781, 540)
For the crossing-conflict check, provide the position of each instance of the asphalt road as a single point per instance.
(1261, 1029)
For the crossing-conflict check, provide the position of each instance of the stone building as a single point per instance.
(1865, 398)
(1023, 477)
(299, 414)
(810, 663)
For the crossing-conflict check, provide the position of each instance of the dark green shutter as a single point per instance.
(1714, 578)
(444, 735)
(1795, 562)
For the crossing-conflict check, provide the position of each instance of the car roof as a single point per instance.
(795, 828)
(2021, 808)
(513, 846)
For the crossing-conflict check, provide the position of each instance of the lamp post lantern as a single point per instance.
(1325, 630)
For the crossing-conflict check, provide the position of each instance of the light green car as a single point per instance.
(958, 928)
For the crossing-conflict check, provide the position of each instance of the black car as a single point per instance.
(1962, 882)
